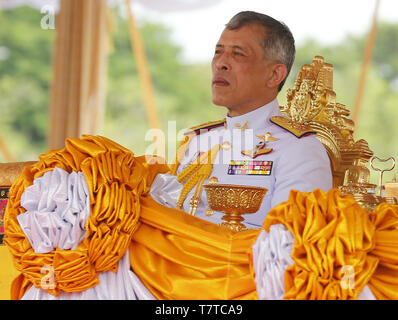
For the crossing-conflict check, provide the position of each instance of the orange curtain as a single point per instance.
(79, 70)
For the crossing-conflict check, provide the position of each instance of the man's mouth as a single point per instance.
(220, 82)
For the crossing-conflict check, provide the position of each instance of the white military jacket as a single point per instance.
(285, 163)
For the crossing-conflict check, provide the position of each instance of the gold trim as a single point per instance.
(298, 129)
(206, 125)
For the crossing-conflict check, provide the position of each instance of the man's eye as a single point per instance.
(238, 54)
(217, 52)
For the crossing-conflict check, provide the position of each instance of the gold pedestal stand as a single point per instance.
(234, 201)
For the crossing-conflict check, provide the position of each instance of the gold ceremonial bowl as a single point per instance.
(234, 201)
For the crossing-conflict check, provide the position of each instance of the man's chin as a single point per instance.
(219, 102)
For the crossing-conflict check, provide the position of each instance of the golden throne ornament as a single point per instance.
(311, 105)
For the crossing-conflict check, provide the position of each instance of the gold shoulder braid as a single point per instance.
(207, 125)
(298, 129)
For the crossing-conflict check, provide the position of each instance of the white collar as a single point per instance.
(258, 118)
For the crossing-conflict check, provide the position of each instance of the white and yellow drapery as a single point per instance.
(178, 256)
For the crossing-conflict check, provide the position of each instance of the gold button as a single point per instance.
(226, 145)
(213, 180)
(209, 212)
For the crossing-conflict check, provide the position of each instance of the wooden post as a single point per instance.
(367, 58)
(79, 71)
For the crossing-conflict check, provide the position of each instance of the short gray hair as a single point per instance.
(278, 41)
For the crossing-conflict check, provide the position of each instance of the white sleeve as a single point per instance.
(166, 189)
(304, 166)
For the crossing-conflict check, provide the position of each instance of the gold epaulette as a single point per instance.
(298, 129)
(207, 125)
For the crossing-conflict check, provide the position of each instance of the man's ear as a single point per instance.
(278, 73)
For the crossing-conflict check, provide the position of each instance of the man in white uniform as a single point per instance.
(252, 59)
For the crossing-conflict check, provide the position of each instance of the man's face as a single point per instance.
(240, 71)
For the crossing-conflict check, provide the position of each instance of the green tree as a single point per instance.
(25, 75)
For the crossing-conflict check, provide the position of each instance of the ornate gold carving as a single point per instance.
(297, 129)
(10, 171)
(312, 103)
(234, 201)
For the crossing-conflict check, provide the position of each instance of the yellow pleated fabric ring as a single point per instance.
(384, 282)
(116, 181)
(339, 247)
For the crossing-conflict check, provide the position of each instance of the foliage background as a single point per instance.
(182, 91)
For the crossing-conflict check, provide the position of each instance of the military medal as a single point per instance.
(257, 151)
(267, 137)
(260, 148)
(250, 167)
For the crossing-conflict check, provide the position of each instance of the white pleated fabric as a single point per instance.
(166, 189)
(58, 206)
(271, 257)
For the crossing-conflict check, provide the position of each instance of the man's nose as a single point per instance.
(222, 63)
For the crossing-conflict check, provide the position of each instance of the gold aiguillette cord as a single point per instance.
(196, 173)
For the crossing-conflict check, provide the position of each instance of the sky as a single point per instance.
(197, 31)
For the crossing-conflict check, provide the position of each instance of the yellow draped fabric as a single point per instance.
(116, 179)
(178, 256)
(7, 272)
